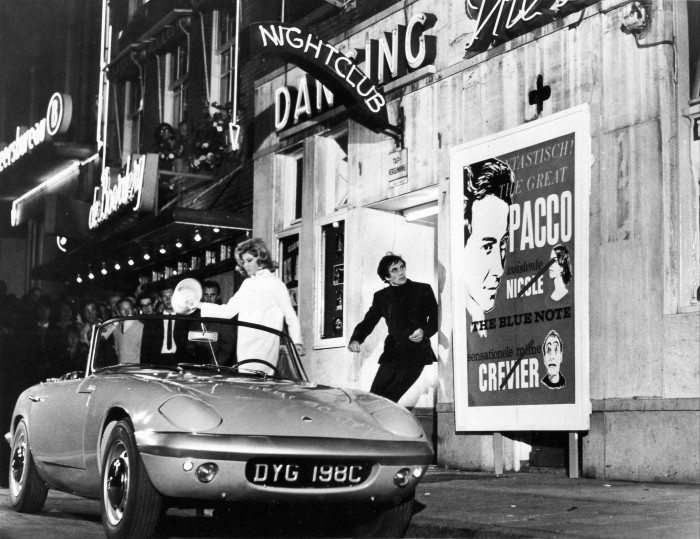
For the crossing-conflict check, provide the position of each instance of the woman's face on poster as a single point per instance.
(484, 252)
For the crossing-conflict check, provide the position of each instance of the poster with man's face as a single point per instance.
(517, 229)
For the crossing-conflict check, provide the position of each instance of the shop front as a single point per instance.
(367, 137)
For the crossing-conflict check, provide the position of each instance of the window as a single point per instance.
(332, 287)
(224, 59)
(134, 111)
(177, 66)
(289, 266)
(292, 183)
(337, 186)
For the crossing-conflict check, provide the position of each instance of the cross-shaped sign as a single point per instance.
(540, 94)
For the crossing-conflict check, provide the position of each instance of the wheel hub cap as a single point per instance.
(118, 482)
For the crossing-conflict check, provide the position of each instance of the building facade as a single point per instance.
(622, 79)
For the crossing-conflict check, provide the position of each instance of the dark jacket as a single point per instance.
(404, 311)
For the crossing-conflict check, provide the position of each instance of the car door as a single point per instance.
(56, 422)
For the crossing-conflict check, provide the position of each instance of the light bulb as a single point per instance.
(197, 237)
(161, 250)
(146, 256)
(91, 275)
(79, 279)
(178, 244)
(131, 261)
(117, 266)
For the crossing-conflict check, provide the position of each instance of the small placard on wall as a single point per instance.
(397, 171)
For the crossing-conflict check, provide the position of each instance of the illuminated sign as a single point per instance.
(57, 120)
(137, 185)
(397, 53)
(498, 21)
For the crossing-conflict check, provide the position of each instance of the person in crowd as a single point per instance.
(58, 327)
(89, 319)
(262, 299)
(487, 198)
(32, 345)
(144, 303)
(113, 302)
(165, 341)
(410, 311)
(128, 333)
(73, 356)
(104, 311)
(560, 272)
(27, 308)
(225, 346)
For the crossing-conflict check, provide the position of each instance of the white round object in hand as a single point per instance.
(187, 293)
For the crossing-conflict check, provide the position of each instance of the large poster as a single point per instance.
(519, 233)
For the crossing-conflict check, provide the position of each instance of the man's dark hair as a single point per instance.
(489, 177)
(212, 284)
(141, 296)
(386, 262)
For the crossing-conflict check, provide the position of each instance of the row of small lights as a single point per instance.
(146, 256)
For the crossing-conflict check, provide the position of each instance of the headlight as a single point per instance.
(399, 421)
(189, 414)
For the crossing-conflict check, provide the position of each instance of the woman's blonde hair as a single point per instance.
(257, 248)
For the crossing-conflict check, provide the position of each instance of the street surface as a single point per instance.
(448, 504)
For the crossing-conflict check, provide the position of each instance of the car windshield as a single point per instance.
(209, 345)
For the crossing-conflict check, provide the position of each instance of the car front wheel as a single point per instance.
(389, 520)
(27, 490)
(130, 504)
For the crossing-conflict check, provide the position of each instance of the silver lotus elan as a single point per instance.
(220, 417)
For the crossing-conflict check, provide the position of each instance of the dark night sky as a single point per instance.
(32, 48)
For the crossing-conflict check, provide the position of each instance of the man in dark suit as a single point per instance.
(410, 311)
(165, 337)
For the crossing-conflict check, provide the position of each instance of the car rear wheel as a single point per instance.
(389, 520)
(130, 504)
(27, 490)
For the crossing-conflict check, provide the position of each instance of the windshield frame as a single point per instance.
(285, 339)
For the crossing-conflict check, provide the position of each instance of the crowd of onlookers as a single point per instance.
(49, 337)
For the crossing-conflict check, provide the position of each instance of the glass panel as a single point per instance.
(299, 179)
(333, 279)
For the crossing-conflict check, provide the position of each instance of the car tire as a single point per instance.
(130, 505)
(390, 520)
(27, 489)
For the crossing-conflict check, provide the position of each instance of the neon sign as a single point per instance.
(57, 120)
(407, 48)
(498, 21)
(132, 186)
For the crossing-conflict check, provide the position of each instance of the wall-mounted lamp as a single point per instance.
(146, 256)
(178, 244)
(91, 275)
(130, 261)
(197, 236)
(637, 19)
(216, 229)
(117, 266)
(79, 279)
(103, 271)
(162, 250)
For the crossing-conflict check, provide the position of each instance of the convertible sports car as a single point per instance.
(227, 420)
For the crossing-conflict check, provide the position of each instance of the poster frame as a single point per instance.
(563, 417)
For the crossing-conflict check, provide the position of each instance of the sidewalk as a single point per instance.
(467, 504)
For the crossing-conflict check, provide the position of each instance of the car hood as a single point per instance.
(251, 406)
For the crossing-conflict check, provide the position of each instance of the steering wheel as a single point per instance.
(237, 364)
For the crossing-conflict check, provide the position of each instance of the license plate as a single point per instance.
(300, 474)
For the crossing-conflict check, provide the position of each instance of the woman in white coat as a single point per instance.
(262, 299)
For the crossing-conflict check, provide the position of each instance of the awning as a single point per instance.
(150, 244)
